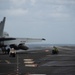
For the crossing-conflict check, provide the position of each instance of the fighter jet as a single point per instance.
(12, 42)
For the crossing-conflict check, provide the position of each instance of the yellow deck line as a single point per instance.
(7, 61)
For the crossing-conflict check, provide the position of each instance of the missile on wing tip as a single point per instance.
(43, 39)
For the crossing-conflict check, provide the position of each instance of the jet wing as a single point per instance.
(27, 40)
(6, 39)
(17, 41)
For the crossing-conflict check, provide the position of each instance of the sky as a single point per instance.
(53, 20)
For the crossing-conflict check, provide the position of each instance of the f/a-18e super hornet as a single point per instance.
(12, 42)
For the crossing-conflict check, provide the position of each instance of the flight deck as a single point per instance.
(39, 62)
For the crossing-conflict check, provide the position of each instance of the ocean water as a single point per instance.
(47, 45)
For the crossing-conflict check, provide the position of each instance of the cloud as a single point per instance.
(42, 8)
(66, 1)
(16, 12)
(18, 2)
(59, 15)
(53, 11)
(13, 7)
(61, 1)
(19, 7)
(33, 2)
(59, 11)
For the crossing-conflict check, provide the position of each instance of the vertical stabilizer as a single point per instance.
(2, 23)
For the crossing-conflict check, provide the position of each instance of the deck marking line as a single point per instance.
(7, 61)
